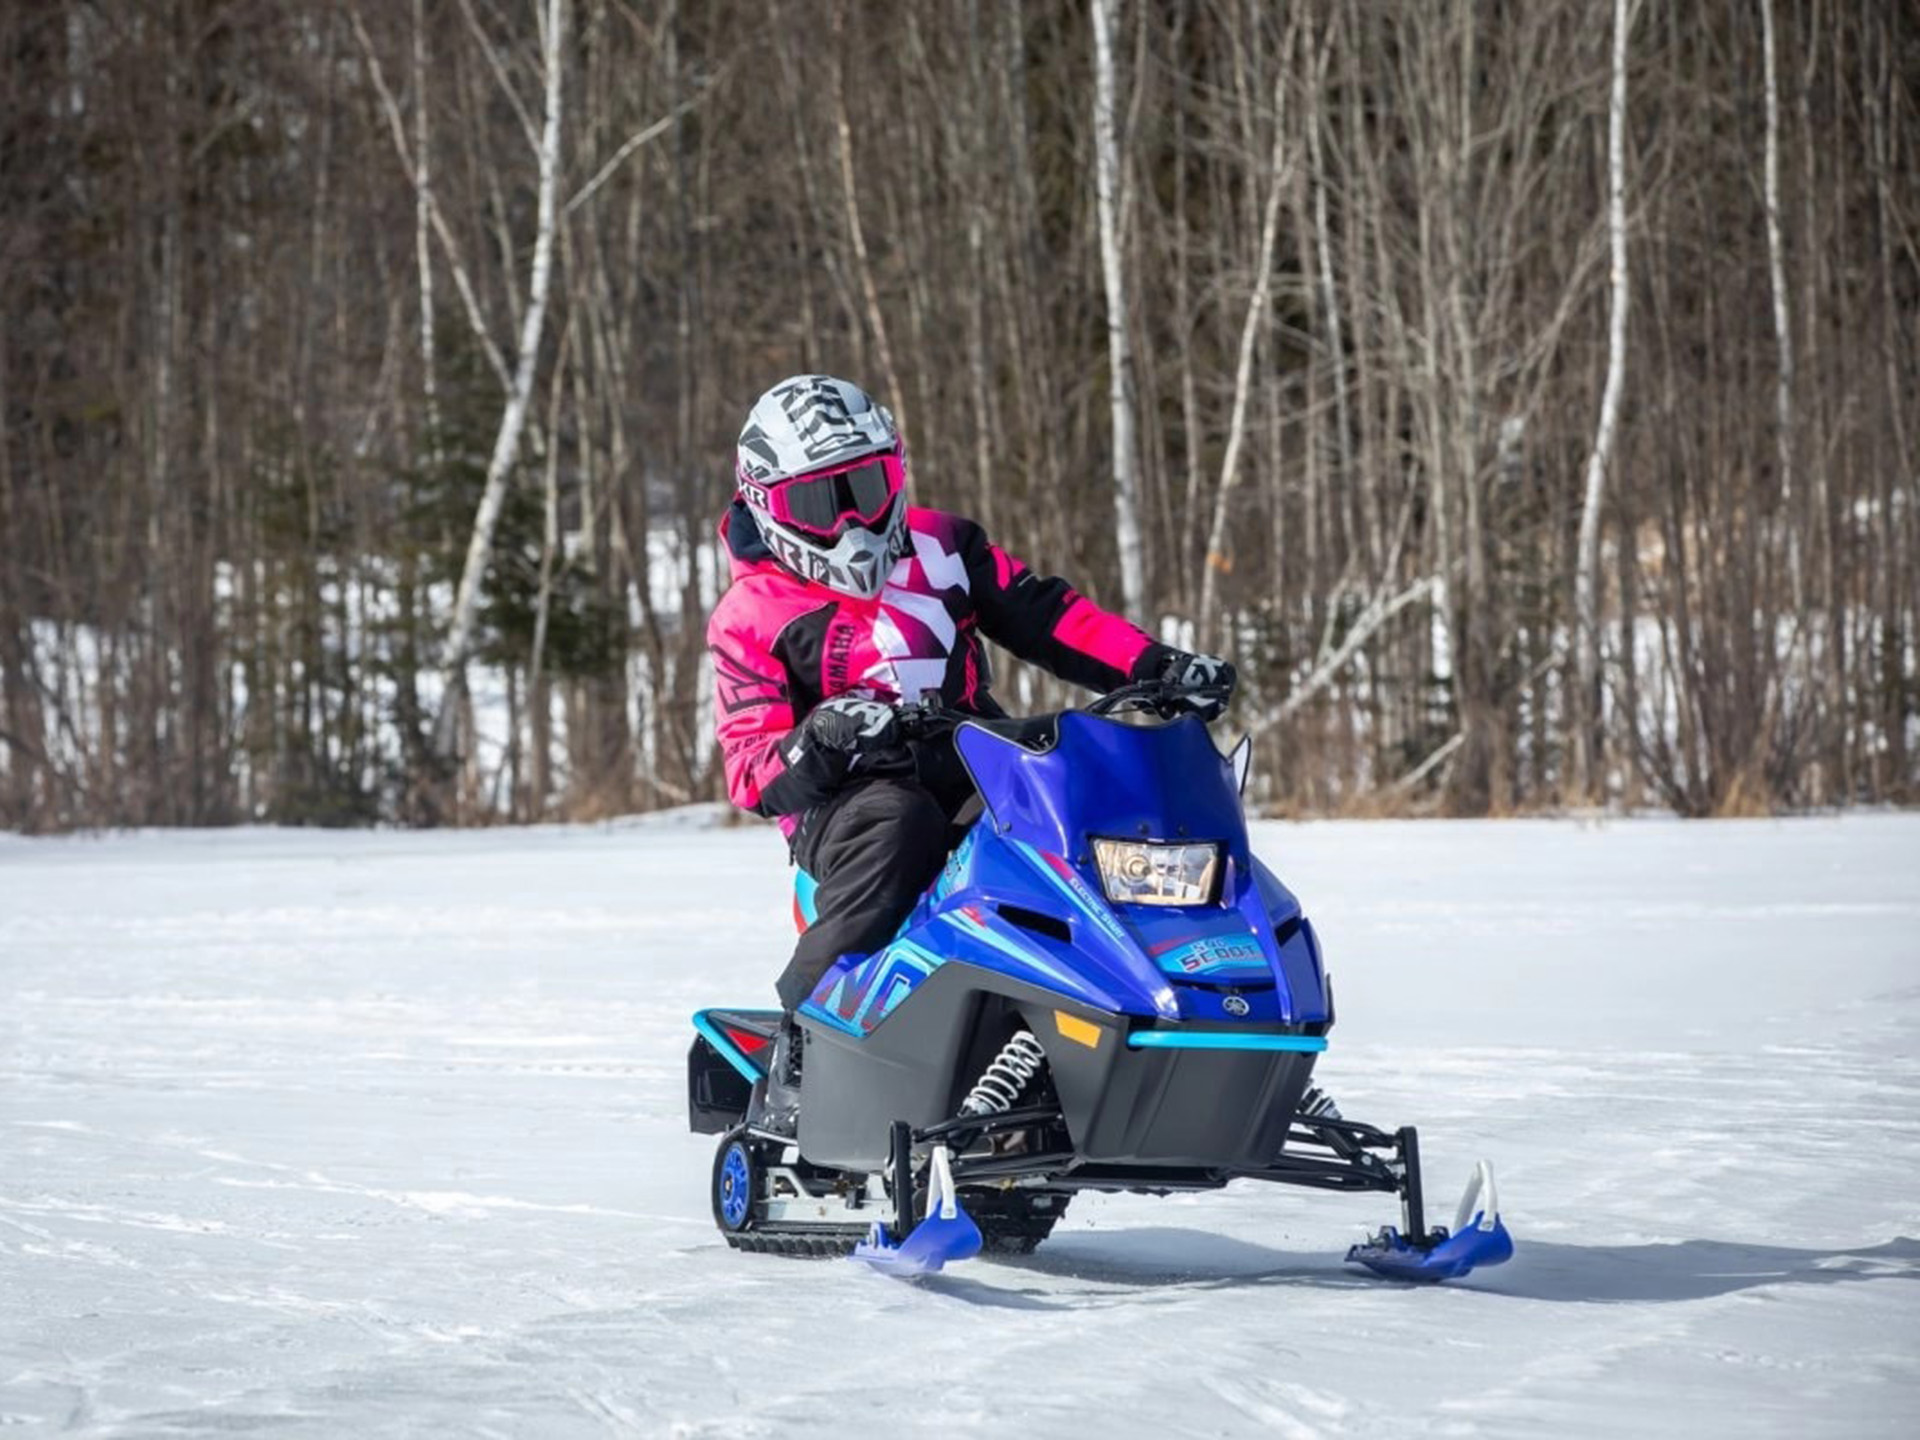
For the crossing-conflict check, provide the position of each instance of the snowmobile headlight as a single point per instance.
(1135, 873)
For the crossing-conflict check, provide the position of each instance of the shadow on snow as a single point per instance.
(1540, 1269)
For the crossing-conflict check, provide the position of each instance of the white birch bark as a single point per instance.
(1106, 166)
(1243, 373)
(1586, 712)
(1782, 331)
(423, 232)
(513, 419)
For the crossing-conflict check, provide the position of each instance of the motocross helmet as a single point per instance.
(822, 470)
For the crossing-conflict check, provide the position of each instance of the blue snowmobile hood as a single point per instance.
(1102, 778)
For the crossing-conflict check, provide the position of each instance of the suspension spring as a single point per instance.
(1002, 1082)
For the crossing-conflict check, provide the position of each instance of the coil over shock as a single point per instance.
(1002, 1082)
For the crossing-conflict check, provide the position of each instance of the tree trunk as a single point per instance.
(857, 236)
(423, 233)
(513, 419)
(1782, 325)
(1590, 783)
(1126, 474)
(1257, 304)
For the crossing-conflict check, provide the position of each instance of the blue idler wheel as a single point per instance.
(736, 1175)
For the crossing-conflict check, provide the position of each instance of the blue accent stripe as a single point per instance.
(1020, 954)
(1222, 1040)
(878, 982)
(729, 1052)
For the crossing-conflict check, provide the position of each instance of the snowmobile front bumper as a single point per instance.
(1176, 1095)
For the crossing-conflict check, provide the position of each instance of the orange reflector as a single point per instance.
(1074, 1028)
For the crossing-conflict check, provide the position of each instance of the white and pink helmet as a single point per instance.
(822, 469)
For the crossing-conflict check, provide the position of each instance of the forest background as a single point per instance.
(1523, 392)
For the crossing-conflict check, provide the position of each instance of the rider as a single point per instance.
(846, 603)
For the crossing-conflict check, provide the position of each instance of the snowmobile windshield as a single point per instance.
(1103, 777)
(1033, 732)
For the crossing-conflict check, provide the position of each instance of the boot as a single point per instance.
(776, 1098)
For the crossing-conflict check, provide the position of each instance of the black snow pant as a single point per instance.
(872, 849)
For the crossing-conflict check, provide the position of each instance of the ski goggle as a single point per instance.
(826, 501)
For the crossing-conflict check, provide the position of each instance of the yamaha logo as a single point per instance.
(1236, 1007)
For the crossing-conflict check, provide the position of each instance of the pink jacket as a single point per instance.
(781, 645)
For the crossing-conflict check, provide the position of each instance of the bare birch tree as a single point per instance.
(423, 230)
(1126, 459)
(1782, 325)
(506, 445)
(1587, 708)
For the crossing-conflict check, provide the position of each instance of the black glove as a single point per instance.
(834, 742)
(1188, 671)
(844, 729)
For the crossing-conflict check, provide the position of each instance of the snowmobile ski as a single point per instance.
(1479, 1237)
(947, 1233)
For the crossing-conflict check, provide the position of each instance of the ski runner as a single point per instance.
(845, 604)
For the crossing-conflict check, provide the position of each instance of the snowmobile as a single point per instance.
(1103, 990)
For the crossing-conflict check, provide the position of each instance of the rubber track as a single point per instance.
(1003, 1233)
(830, 1246)
(1010, 1226)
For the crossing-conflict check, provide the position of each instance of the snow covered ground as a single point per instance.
(321, 1134)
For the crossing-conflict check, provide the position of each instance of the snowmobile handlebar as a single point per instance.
(1168, 699)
